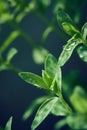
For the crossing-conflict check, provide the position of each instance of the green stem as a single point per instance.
(48, 23)
(66, 105)
(13, 35)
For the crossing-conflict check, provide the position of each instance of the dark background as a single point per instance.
(15, 94)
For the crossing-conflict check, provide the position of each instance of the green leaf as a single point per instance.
(9, 40)
(51, 65)
(34, 105)
(39, 55)
(84, 32)
(12, 52)
(46, 33)
(79, 100)
(68, 50)
(54, 71)
(82, 52)
(47, 79)
(59, 109)
(66, 23)
(8, 125)
(33, 79)
(69, 28)
(77, 121)
(43, 111)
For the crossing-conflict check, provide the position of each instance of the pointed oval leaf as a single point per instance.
(9, 40)
(47, 79)
(68, 50)
(12, 52)
(33, 79)
(8, 125)
(54, 71)
(30, 110)
(69, 28)
(46, 33)
(56, 83)
(66, 23)
(59, 109)
(51, 65)
(82, 52)
(43, 111)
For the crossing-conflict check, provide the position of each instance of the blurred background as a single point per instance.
(15, 94)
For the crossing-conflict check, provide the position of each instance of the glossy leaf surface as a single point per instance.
(69, 28)
(43, 111)
(33, 79)
(68, 50)
(33, 106)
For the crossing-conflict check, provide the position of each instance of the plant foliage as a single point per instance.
(58, 88)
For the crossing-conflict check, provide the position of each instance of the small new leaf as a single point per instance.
(33, 106)
(66, 23)
(8, 125)
(46, 33)
(69, 28)
(33, 79)
(43, 111)
(12, 52)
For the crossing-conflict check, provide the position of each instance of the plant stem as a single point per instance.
(13, 35)
(66, 105)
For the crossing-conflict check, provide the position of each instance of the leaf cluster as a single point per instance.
(12, 12)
